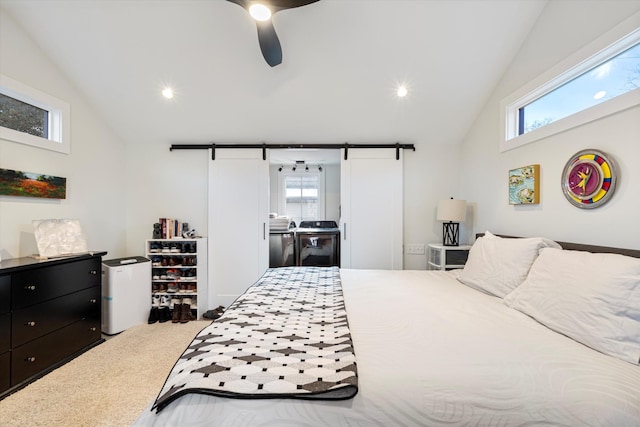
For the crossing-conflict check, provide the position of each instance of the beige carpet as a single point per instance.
(110, 385)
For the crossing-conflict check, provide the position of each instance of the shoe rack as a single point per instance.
(178, 277)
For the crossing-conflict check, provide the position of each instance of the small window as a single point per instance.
(31, 117)
(601, 79)
(303, 195)
(23, 117)
(617, 76)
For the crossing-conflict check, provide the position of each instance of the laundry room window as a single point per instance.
(303, 195)
(31, 117)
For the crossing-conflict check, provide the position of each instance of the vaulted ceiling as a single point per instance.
(342, 63)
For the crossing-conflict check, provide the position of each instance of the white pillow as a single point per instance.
(592, 298)
(497, 266)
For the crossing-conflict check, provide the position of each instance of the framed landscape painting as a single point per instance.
(524, 185)
(28, 184)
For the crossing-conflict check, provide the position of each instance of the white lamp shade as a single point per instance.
(452, 210)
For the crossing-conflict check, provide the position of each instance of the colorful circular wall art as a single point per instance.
(589, 179)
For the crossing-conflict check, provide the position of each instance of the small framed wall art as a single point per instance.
(27, 184)
(524, 185)
(589, 179)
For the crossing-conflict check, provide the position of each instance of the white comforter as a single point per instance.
(431, 351)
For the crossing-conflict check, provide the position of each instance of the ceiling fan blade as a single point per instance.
(286, 4)
(274, 5)
(243, 3)
(269, 43)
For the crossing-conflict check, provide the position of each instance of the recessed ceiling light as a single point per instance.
(167, 92)
(260, 12)
(402, 91)
(600, 94)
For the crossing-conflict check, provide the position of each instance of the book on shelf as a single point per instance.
(171, 228)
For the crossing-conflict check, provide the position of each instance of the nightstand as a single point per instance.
(442, 257)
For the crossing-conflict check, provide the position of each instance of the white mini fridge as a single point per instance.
(126, 293)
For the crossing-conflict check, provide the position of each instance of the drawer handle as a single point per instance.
(93, 272)
(93, 329)
(93, 300)
(30, 287)
(31, 323)
(30, 359)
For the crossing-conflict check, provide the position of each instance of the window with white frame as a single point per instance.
(595, 82)
(302, 195)
(31, 117)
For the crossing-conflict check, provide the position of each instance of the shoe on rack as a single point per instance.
(185, 314)
(153, 315)
(177, 313)
(163, 314)
(165, 301)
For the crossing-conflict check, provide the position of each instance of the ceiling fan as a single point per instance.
(262, 11)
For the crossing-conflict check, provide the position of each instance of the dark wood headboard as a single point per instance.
(583, 247)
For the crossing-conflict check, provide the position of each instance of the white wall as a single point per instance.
(484, 169)
(94, 169)
(164, 184)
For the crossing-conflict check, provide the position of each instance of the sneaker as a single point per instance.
(165, 300)
(173, 288)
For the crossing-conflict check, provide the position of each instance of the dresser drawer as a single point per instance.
(36, 320)
(5, 332)
(45, 283)
(5, 294)
(37, 356)
(5, 371)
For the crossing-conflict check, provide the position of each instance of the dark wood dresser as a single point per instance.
(49, 314)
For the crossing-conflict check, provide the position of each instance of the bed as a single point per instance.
(531, 332)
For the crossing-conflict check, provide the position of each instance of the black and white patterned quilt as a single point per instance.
(286, 336)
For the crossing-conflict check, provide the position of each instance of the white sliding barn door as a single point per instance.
(371, 202)
(238, 223)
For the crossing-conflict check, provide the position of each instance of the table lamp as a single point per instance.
(452, 212)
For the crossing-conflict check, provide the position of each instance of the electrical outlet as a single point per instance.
(415, 249)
